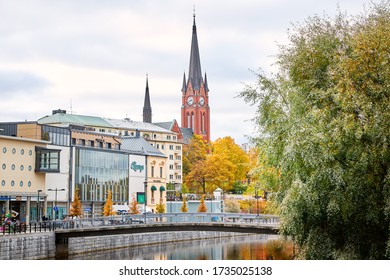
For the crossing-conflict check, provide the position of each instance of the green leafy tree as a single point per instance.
(108, 208)
(76, 209)
(325, 117)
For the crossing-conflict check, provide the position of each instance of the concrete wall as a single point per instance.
(90, 244)
(27, 246)
(42, 245)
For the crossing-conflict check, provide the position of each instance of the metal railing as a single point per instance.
(129, 219)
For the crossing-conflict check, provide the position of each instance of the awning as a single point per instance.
(162, 189)
(153, 188)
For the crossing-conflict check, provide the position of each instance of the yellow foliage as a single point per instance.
(108, 209)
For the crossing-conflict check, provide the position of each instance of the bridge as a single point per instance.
(133, 224)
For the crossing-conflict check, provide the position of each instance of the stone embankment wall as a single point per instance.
(90, 244)
(42, 245)
(27, 246)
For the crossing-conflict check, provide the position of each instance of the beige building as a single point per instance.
(23, 167)
(163, 139)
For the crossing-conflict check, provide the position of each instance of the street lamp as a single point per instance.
(39, 191)
(174, 191)
(145, 190)
(55, 201)
(257, 202)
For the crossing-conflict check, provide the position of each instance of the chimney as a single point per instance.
(137, 133)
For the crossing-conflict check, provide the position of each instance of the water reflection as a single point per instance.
(253, 247)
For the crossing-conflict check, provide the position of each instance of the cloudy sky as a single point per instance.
(91, 57)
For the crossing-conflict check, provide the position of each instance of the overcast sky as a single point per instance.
(91, 57)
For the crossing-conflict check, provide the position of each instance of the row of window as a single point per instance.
(21, 183)
(171, 157)
(13, 167)
(171, 147)
(94, 144)
(172, 177)
(5, 150)
(178, 167)
(132, 133)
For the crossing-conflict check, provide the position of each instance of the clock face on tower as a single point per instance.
(190, 100)
(201, 101)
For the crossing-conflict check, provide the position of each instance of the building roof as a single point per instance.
(63, 118)
(187, 133)
(138, 145)
(133, 125)
(165, 125)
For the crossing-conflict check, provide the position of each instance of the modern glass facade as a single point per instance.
(97, 172)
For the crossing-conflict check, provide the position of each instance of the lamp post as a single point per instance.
(38, 202)
(257, 202)
(145, 189)
(55, 201)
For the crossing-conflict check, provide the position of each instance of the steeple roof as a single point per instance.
(195, 72)
(147, 111)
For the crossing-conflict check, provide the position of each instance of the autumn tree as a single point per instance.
(160, 207)
(108, 208)
(184, 208)
(133, 206)
(75, 207)
(324, 124)
(233, 153)
(226, 164)
(202, 206)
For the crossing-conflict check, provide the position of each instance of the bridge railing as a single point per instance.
(129, 219)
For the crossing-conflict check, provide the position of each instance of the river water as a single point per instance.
(249, 247)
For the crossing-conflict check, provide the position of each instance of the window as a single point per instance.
(152, 171)
(47, 160)
(171, 147)
(171, 157)
(4, 150)
(161, 172)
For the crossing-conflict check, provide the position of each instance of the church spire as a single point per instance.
(195, 72)
(147, 112)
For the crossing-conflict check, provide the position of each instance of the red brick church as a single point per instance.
(195, 109)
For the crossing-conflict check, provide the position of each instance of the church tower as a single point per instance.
(195, 109)
(147, 111)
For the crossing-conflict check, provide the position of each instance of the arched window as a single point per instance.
(192, 120)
